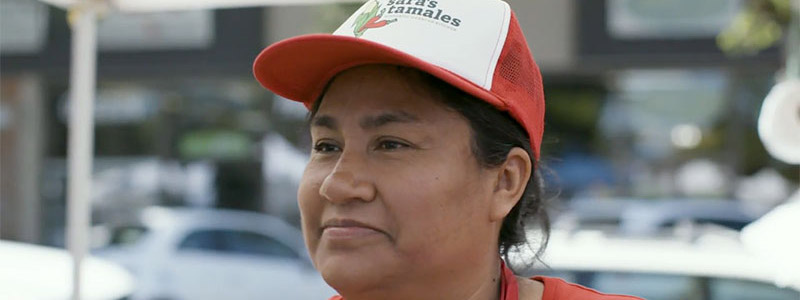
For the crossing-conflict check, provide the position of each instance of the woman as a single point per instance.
(426, 133)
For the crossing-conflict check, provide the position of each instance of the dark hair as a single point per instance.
(494, 134)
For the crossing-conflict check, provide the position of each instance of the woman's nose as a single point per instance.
(344, 185)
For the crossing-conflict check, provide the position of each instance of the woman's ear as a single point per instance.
(512, 178)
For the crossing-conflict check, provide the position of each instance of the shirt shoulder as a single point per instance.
(558, 289)
(337, 297)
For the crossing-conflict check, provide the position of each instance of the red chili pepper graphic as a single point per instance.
(373, 23)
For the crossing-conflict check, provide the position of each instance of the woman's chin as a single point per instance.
(348, 278)
(352, 272)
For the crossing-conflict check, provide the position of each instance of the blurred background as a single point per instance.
(651, 146)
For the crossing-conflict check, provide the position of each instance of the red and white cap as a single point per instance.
(474, 45)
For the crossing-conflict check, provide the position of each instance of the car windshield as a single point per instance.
(238, 242)
(127, 235)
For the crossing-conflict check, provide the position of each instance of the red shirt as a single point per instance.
(554, 289)
(557, 289)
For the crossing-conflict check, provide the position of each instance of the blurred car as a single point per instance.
(649, 217)
(195, 254)
(32, 272)
(714, 266)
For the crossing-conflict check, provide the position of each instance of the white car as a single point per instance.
(32, 272)
(711, 265)
(196, 254)
(645, 217)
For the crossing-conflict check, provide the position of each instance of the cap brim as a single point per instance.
(299, 68)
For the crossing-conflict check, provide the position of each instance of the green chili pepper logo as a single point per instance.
(370, 18)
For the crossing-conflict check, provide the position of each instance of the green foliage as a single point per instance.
(760, 25)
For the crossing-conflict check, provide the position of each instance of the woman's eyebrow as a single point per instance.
(369, 122)
(325, 121)
(372, 122)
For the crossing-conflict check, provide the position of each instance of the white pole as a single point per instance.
(81, 135)
(793, 43)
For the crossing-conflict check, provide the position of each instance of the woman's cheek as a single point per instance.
(310, 203)
(418, 206)
(306, 193)
(313, 176)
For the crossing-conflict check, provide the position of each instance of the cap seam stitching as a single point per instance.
(495, 59)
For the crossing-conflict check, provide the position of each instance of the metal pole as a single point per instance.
(793, 46)
(81, 135)
(793, 43)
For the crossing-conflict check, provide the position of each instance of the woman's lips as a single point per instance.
(348, 229)
(349, 232)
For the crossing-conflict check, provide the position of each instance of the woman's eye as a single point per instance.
(323, 147)
(391, 145)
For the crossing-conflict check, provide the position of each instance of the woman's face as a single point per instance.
(392, 192)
